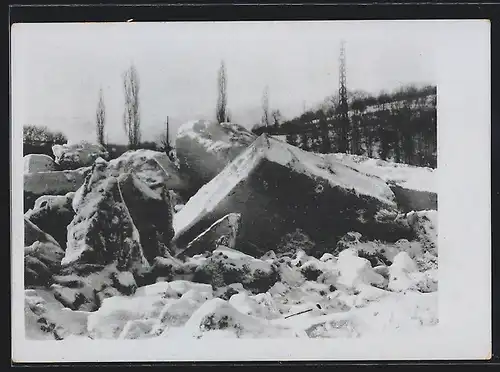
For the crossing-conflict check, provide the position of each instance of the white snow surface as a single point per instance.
(40, 304)
(404, 175)
(334, 172)
(178, 207)
(149, 311)
(114, 313)
(219, 315)
(260, 306)
(355, 270)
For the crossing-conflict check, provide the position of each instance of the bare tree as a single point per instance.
(277, 118)
(100, 119)
(221, 111)
(131, 115)
(265, 107)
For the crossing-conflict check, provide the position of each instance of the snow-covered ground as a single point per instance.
(404, 175)
(371, 311)
(340, 296)
(360, 288)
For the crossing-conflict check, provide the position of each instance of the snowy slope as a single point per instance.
(404, 175)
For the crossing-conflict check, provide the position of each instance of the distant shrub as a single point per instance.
(35, 134)
(39, 140)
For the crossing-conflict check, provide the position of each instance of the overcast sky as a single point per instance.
(59, 68)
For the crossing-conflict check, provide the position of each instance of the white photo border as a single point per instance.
(464, 331)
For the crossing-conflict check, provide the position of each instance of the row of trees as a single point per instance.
(131, 114)
(132, 118)
(398, 126)
(269, 117)
(36, 137)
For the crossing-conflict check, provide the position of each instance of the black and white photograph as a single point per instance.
(228, 182)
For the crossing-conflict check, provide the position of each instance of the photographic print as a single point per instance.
(231, 180)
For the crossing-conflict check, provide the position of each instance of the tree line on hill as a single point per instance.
(398, 126)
